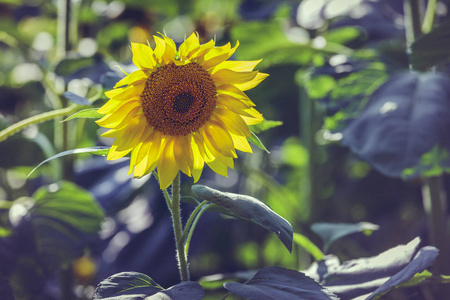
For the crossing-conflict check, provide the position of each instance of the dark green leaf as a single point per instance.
(359, 278)
(402, 130)
(98, 150)
(138, 286)
(131, 284)
(432, 48)
(274, 283)
(249, 208)
(330, 232)
(85, 113)
(265, 125)
(76, 99)
(257, 142)
(64, 218)
(309, 246)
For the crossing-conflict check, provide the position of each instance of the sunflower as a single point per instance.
(181, 109)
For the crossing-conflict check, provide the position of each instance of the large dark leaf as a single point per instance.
(273, 283)
(330, 232)
(138, 286)
(403, 131)
(249, 208)
(373, 275)
(64, 218)
(432, 48)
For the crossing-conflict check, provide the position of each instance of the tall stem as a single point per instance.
(177, 228)
(434, 201)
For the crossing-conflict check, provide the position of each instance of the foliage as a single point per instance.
(363, 107)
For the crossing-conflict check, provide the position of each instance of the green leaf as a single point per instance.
(249, 208)
(138, 286)
(280, 283)
(330, 232)
(265, 125)
(85, 113)
(432, 48)
(309, 246)
(257, 142)
(97, 150)
(69, 66)
(64, 219)
(342, 35)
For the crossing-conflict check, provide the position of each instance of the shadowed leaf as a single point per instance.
(330, 232)
(249, 208)
(138, 286)
(273, 283)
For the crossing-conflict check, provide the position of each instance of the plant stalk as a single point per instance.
(434, 202)
(177, 228)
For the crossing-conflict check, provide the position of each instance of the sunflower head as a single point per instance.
(181, 109)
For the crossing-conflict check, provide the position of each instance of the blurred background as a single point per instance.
(307, 177)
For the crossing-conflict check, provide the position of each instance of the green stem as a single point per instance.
(435, 207)
(429, 16)
(177, 228)
(412, 20)
(191, 218)
(7, 132)
(194, 224)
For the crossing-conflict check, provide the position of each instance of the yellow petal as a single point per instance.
(113, 106)
(199, 161)
(232, 121)
(134, 77)
(215, 56)
(170, 50)
(132, 134)
(131, 91)
(142, 56)
(255, 118)
(218, 167)
(167, 166)
(244, 86)
(183, 154)
(119, 118)
(159, 49)
(114, 153)
(233, 104)
(241, 143)
(228, 76)
(218, 138)
(189, 45)
(231, 90)
(237, 66)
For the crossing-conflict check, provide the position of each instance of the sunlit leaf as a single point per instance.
(64, 218)
(309, 246)
(254, 139)
(138, 286)
(85, 113)
(249, 208)
(330, 232)
(98, 150)
(265, 125)
(279, 283)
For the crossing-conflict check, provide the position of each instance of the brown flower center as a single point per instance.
(178, 100)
